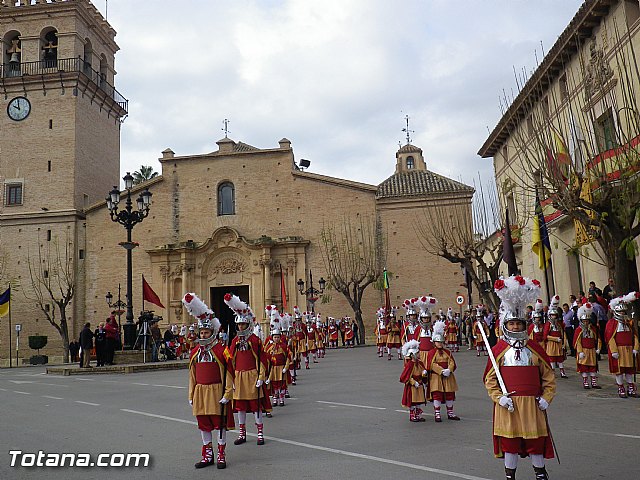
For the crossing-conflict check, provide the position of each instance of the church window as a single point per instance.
(87, 55)
(606, 132)
(226, 199)
(13, 55)
(410, 163)
(13, 194)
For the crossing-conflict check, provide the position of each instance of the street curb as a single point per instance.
(132, 368)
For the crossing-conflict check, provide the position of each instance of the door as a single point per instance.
(222, 311)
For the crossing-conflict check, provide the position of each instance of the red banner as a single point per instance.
(149, 295)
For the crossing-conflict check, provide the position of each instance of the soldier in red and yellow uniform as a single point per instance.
(536, 328)
(413, 376)
(280, 360)
(321, 336)
(311, 339)
(520, 426)
(348, 333)
(250, 364)
(451, 335)
(555, 341)
(442, 382)
(477, 335)
(333, 333)
(393, 335)
(623, 346)
(299, 344)
(211, 379)
(381, 332)
(587, 344)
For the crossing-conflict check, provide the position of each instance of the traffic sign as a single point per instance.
(18, 327)
(460, 300)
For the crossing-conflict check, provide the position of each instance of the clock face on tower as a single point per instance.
(19, 109)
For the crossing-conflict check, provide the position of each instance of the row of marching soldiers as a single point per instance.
(393, 333)
(428, 373)
(248, 375)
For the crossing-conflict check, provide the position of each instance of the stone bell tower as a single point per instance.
(60, 143)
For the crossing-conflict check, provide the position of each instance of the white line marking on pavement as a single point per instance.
(3, 390)
(52, 398)
(88, 403)
(622, 435)
(143, 384)
(84, 379)
(351, 405)
(21, 393)
(169, 386)
(330, 450)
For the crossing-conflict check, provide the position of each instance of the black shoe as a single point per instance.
(541, 473)
(239, 441)
(204, 464)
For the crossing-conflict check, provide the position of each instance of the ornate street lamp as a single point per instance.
(311, 293)
(128, 218)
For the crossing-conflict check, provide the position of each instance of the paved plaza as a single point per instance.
(344, 420)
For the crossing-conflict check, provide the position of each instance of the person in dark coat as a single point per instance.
(100, 336)
(86, 344)
(113, 335)
(74, 348)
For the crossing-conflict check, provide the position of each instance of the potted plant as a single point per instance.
(36, 342)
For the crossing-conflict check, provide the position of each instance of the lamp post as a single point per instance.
(311, 293)
(118, 305)
(128, 218)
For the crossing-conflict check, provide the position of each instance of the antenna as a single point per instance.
(106, 9)
(225, 129)
(407, 131)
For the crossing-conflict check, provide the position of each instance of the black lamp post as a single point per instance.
(128, 217)
(118, 305)
(311, 293)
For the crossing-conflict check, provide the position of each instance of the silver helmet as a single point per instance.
(515, 339)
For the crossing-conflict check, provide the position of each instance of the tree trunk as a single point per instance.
(361, 330)
(625, 273)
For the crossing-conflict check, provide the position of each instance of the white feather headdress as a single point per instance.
(410, 348)
(516, 292)
(198, 309)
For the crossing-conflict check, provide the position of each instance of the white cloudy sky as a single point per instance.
(336, 77)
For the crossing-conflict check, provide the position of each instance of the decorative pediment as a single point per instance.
(597, 73)
(229, 264)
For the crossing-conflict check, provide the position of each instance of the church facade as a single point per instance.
(239, 219)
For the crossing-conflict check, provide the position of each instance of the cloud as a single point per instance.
(336, 77)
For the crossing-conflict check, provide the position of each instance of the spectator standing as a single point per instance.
(568, 315)
(609, 292)
(86, 344)
(74, 349)
(593, 290)
(601, 320)
(113, 335)
(156, 340)
(101, 344)
(356, 335)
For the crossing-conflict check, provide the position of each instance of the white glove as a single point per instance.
(581, 355)
(506, 402)
(446, 372)
(259, 383)
(542, 404)
(597, 352)
(224, 401)
(424, 373)
(416, 384)
(284, 370)
(635, 352)
(267, 381)
(191, 402)
(615, 355)
(474, 337)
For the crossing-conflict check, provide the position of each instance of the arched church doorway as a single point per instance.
(224, 313)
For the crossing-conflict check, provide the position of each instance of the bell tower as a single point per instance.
(60, 118)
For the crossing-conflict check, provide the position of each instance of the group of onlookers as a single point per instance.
(103, 341)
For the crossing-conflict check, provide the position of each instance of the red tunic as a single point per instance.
(333, 333)
(537, 337)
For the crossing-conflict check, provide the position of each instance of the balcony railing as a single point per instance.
(65, 65)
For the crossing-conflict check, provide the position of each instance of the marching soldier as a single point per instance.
(333, 333)
(250, 364)
(587, 344)
(348, 333)
(381, 332)
(280, 360)
(393, 335)
(442, 382)
(477, 335)
(555, 340)
(451, 335)
(411, 329)
(211, 378)
(536, 328)
(520, 426)
(413, 376)
(622, 343)
(311, 338)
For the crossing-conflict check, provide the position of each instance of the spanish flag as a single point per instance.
(540, 237)
(5, 300)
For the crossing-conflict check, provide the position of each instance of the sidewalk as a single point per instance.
(74, 369)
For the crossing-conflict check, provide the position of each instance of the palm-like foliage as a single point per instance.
(145, 173)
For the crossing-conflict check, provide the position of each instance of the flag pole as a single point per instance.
(540, 216)
(142, 292)
(10, 342)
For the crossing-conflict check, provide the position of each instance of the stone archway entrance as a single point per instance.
(224, 313)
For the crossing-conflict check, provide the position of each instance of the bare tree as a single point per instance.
(579, 149)
(53, 278)
(354, 253)
(467, 236)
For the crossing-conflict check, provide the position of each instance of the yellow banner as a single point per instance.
(583, 237)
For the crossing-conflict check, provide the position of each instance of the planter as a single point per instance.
(38, 359)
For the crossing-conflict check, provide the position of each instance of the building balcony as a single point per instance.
(62, 68)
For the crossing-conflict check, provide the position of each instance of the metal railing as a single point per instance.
(65, 65)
